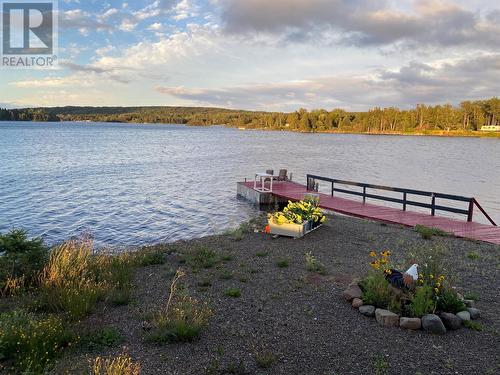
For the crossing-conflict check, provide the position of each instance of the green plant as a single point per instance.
(422, 302)
(233, 292)
(473, 255)
(181, 319)
(473, 325)
(261, 254)
(227, 258)
(472, 296)
(31, 342)
(395, 304)
(149, 256)
(380, 365)
(226, 275)
(449, 301)
(206, 282)
(265, 358)
(427, 233)
(106, 337)
(21, 257)
(376, 289)
(313, 265)
(201, 257)
(283, 262)
(121, 365)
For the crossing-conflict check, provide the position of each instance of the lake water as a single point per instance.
(135, 184)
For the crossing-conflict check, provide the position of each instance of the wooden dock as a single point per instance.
(284, 191)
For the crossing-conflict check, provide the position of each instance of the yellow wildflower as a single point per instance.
(436, 290)
(373, 254)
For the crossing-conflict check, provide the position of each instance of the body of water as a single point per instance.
(135, 184)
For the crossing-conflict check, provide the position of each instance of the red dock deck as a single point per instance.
(482, 232)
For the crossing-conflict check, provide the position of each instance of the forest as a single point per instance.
(468, 116)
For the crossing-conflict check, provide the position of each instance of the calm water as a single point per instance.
(135, 184)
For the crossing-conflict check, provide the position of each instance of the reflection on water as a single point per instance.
(133, 184)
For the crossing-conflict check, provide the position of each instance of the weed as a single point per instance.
(149, 256)
(422, 303)
(121, 365)
(313, 265)
(427, 233)
(31, 342)
(448, 301)
(107, 337)
(265, 359)
(283, 262)
(181, 319)
(262, 254)
(473, 325)
(233, 292)
(473, 255)
(226, 275)
(206, 282)
(227, 258)
(380, 365)
(376, 290)
(243, 279)
(236, 368)
(474, 296)
(201, 257)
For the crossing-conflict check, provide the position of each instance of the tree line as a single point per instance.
(468, 116)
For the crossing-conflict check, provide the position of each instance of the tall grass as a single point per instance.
(121, 365)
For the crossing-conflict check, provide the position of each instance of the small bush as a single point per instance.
(121, 365)
(283, 262)
(233, 292)
(201, 257)
(313, 265)
(473, 325)
(427, 233)
(107, 337)
(31, 342)
(448, 301)
(376, 289)
(181, 319)
(21, 257)
(422, 302)
(265, 359)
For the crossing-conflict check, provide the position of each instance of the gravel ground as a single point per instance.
(301, 317)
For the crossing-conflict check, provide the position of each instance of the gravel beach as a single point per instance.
(292, 321)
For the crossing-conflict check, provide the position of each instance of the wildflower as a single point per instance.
(388, 271)
(436, 290)
(373, 254)
(385, 253)
(375, 264)
(431, 276)
(438, 285)
(420, 276)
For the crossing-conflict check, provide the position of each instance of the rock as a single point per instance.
(464, 315)
(474, 313)
(352, 292)
(367, 310)
(357, 302)
(469, 302)
(431, 323)
(386, 318)
(410, 323)
(451, 321)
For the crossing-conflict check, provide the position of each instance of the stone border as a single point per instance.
(432, 323)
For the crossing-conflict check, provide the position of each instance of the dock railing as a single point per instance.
(433, 206)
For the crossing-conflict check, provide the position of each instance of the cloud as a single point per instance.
(363, 22)
(407, 86)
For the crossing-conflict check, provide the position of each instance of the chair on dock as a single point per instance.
(282, 176)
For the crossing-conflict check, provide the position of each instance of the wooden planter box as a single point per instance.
(292, 230)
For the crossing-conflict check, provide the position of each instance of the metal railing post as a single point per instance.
(333, 189)
(433, 205)
(471, 210)
(364, 194)
(404, 201)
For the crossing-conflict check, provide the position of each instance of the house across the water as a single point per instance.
(490, 128)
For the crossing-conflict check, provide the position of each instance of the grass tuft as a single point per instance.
(313, 265)
(265, 359)
(201, 257)
(121, 365)
(233, 292)
(427, 233)
(473, 325)
(283, 262)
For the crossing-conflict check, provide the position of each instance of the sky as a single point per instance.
(273, 55)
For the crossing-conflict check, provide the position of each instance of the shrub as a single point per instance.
(313, 265)
(106, 337)
(283, 262)
(21, 257)
(233, 292)
(473, 325)
(448, 301)
(121, 365)
(68, 282)
(149, 256)
(422, 302)
(31, 342)
(376, 289)
(181, 319)
(201, 257)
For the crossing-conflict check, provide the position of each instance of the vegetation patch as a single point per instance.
(106, 337)
(120, 365)
(233, 292)
(201, 257)
(427, 233)
(313, 265)
(283, 262)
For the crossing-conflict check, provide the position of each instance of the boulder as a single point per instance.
(474, 313)
(386, 318)
(410, 323)
(433, 324)
(352, 292)
(464, 315)
(451, 321)
(357, 303)
(367, 310)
